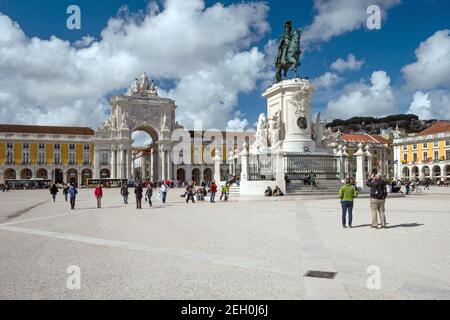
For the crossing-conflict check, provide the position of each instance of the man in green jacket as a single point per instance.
(346, 194)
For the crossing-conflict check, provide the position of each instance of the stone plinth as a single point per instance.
(291, 99)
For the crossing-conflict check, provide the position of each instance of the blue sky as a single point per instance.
(406, 25)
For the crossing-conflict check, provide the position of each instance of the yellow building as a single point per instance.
(45, 154)
(424, 155)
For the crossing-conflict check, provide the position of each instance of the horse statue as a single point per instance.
(289, 52)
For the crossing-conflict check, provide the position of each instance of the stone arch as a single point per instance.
(105, 174)
(9, 174)
(447, 170)
(196, 176)
(72, 176)
(406, 172)
(26, 174)
(85, 175)
(42, 174)
(58, 176)
(207, 175)
(415, 172)
(437, 171)
(426, 171)
(181, 175)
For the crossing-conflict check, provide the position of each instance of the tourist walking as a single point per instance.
(66, 192)
(164, 189)
(347, 194)
(224, 194)
(54, 191)
(190, 193)
(213, 191)
(138, 192)
(72, 196)
(378, 194)
(98, 195)
(149, 194)
(124, 192)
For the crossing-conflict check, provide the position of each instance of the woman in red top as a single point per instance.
(99, 194)
(213, 192)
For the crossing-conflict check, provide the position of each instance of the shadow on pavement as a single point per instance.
(405, 225)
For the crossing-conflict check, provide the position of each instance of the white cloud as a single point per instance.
(237, 124)
(360, 99)
(431, 70)
(206, 52)
(327, 80)
(341, 16)
(431, 105)
(351, 63)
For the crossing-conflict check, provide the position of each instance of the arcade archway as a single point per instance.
(26, 174)
(72, 176)
(85, 175)
(42, 174)
(10, 174)
(181, 175)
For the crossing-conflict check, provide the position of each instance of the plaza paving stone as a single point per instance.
(243, 249)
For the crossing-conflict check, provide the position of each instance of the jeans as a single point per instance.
(190, 196)
(125, 199)
(138, 202)
(347, 206)
(99, 202)
(213, 197)
(66, 196)
(54, 197)
(164, 197)
(72, 203)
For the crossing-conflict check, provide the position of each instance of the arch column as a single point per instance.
(113, 162)
(96, 162)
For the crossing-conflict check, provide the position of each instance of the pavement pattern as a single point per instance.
(244, 249)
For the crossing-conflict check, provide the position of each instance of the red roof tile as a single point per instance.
(18, 128)
(438, 127)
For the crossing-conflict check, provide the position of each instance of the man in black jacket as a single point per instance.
(138, 191)
(378, 194)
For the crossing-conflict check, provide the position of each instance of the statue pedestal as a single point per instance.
(292, 100)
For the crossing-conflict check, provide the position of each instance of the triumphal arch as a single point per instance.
(141, 110)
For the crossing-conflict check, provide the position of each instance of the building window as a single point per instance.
(9, 157)
(447, 155)
(415, 157)
(436, 144)
(86, 158)
(57, 158)
(105, 160)
(26, 158)
(26, 146)
(57, 146)
(41, 146)
(71, 146)
(405, 157)
(436, 155)
(414, 146)
(425, 156)
(9, 145)
(425, 145)
(41, 158)
(405, 148)
(447, 143)
(71, 158)
(86, 147)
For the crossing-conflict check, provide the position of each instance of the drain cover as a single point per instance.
(320, 274)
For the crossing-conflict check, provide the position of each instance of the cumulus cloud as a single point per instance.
(351, 63)
(431, 105)
(431, 70)
(237, 124)
(360, 99)
(341, 16)
(327, 80)
(205, 51)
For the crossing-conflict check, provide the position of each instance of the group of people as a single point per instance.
(201, 193)
(378, 193)
(273, 193)
(69, 191)
(5, 187)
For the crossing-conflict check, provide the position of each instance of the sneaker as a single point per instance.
(344, 226)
